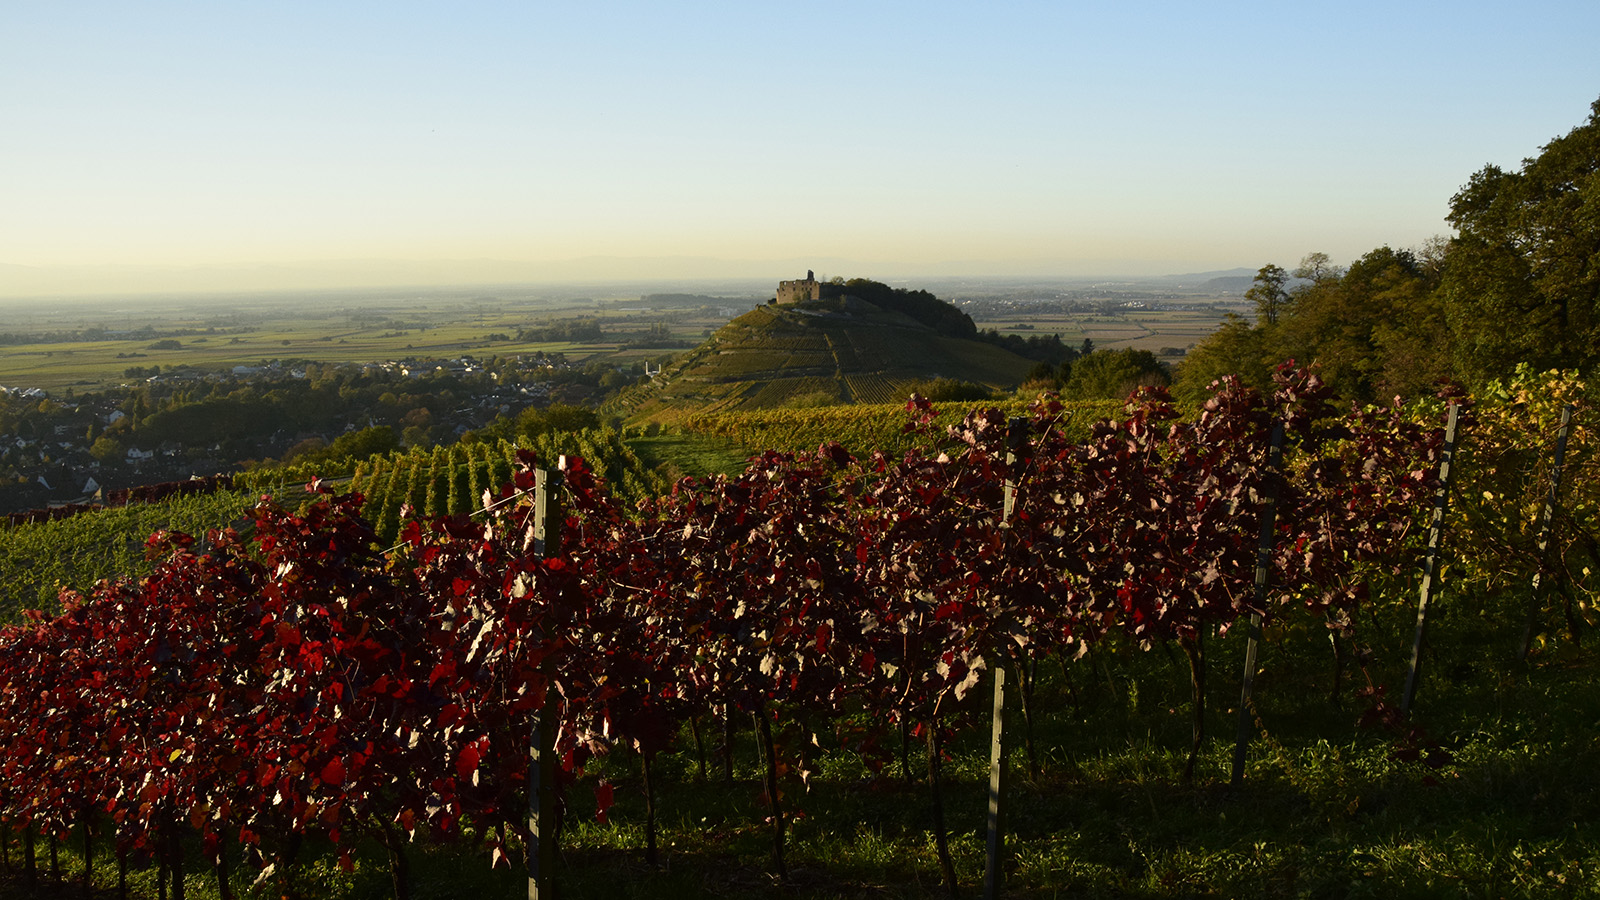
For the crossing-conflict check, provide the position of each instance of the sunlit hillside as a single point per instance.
(806, 354)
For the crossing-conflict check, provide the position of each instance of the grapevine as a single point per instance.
(292, 679)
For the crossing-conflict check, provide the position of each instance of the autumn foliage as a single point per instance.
(289, 678)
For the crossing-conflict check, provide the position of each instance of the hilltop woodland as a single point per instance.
(1518, 284)
(770, 677)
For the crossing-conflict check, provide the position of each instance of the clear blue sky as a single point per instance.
(714, 138)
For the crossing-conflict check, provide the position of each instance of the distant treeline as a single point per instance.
(1046, 348)
(99, 333)
(564, 330)
(577, 331)
(656, 337)
(695, 301)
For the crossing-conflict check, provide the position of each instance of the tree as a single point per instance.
(533, 422)
(1237, 348)
(306, 450)
(1341, 322)
(1523, 280)
(107, 450)
(1113, 374)
(1414, 342)
(1316, 268)
(1269, 293)
(922, 306)
(362, 444)
(1373, 331)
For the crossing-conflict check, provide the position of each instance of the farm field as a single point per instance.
(222, 332)
(1168, 333)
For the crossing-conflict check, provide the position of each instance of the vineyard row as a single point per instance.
(298, 681)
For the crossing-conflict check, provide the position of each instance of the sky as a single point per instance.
(156, 145)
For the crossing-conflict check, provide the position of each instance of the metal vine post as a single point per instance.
(1430, 567)
(1546, 526)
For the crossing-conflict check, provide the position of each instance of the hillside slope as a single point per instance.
(844, 350)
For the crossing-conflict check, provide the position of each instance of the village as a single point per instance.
(182, 422)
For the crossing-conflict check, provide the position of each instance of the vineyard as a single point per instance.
(861, 427)
(40, 558)
(773, 356)
(451, 480)
(875, 390)
(288, 688)
(37, 561)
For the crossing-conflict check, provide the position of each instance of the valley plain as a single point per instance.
(89, 344)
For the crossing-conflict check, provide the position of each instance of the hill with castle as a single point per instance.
(826, 342)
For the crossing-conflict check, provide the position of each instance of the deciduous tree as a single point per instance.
(1523, 280)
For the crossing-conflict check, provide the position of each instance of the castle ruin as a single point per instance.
(808, 289)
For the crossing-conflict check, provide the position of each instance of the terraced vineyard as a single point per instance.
(876, 389)
(777, 356)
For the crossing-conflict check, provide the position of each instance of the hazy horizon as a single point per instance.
(23, 283)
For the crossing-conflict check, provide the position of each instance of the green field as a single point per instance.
(1174, 331)
(220, 333)
(223, 331)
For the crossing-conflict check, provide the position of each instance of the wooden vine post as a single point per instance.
(993, 874)
(1546, 526)
(1430, 566)
(1269, 523)
(547, 517)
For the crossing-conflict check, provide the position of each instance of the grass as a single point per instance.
(686, 453)
(1326, 809)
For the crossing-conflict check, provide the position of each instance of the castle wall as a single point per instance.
(796, 291)
(808, 288)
